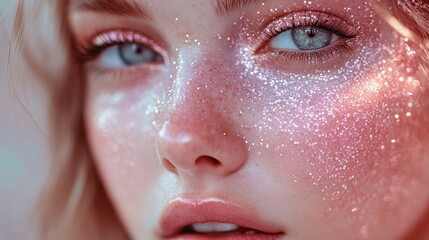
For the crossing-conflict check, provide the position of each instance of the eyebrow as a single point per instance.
(132, 8)
(115, 7)
(225, 7)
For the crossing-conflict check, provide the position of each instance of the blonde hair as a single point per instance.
(74, 204)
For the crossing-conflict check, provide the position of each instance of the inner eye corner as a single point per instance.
(261, 48)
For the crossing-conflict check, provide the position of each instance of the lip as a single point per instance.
(182, 212)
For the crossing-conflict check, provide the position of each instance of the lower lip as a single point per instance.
(232, 237)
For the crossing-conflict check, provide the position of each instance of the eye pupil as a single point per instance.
(139, 50)
(310, 32)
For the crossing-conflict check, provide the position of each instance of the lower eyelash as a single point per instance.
(319, 57)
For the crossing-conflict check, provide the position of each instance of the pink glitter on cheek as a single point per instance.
(347, 127)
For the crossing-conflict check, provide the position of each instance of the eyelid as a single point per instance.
(308, 18)
(327, 58)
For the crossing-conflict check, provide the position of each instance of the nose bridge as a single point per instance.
(197, 89)
(197, 67)
(198, 108)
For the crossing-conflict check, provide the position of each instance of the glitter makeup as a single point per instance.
(328, 137)
(338, 117)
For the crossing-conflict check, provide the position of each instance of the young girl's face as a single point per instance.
(238, 119)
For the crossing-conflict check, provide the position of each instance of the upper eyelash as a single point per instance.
(308, 18)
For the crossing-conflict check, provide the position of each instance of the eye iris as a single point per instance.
(134, 53)
(311, 38)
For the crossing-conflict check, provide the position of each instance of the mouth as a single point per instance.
(201, 219)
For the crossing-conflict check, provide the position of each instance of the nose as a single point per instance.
(200, 144)
(198, 137)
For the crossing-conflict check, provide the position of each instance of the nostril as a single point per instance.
(207, 160)
(170, 167)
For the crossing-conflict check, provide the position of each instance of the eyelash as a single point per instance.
(108, 39)
(309, 19)
(294, 20)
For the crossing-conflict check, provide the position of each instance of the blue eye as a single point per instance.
(134, 53)
(304, 38)
(313, 39)
(128, 54)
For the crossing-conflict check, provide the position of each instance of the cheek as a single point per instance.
(120, 128)
(356, 141)
(118, 124)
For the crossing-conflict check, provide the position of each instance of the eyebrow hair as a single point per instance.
(131, 7)
(225, 7)
(115, 7)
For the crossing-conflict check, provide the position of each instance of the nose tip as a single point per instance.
(194, 151)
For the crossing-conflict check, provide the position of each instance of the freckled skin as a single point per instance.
(333, 151)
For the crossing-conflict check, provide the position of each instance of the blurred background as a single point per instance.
(23, 139)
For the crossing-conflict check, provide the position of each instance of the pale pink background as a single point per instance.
(23, 140)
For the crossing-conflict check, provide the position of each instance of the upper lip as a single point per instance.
(184, 212)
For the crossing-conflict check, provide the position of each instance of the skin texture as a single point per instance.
(333, 148)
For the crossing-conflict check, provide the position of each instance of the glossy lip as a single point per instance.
(182, 212)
